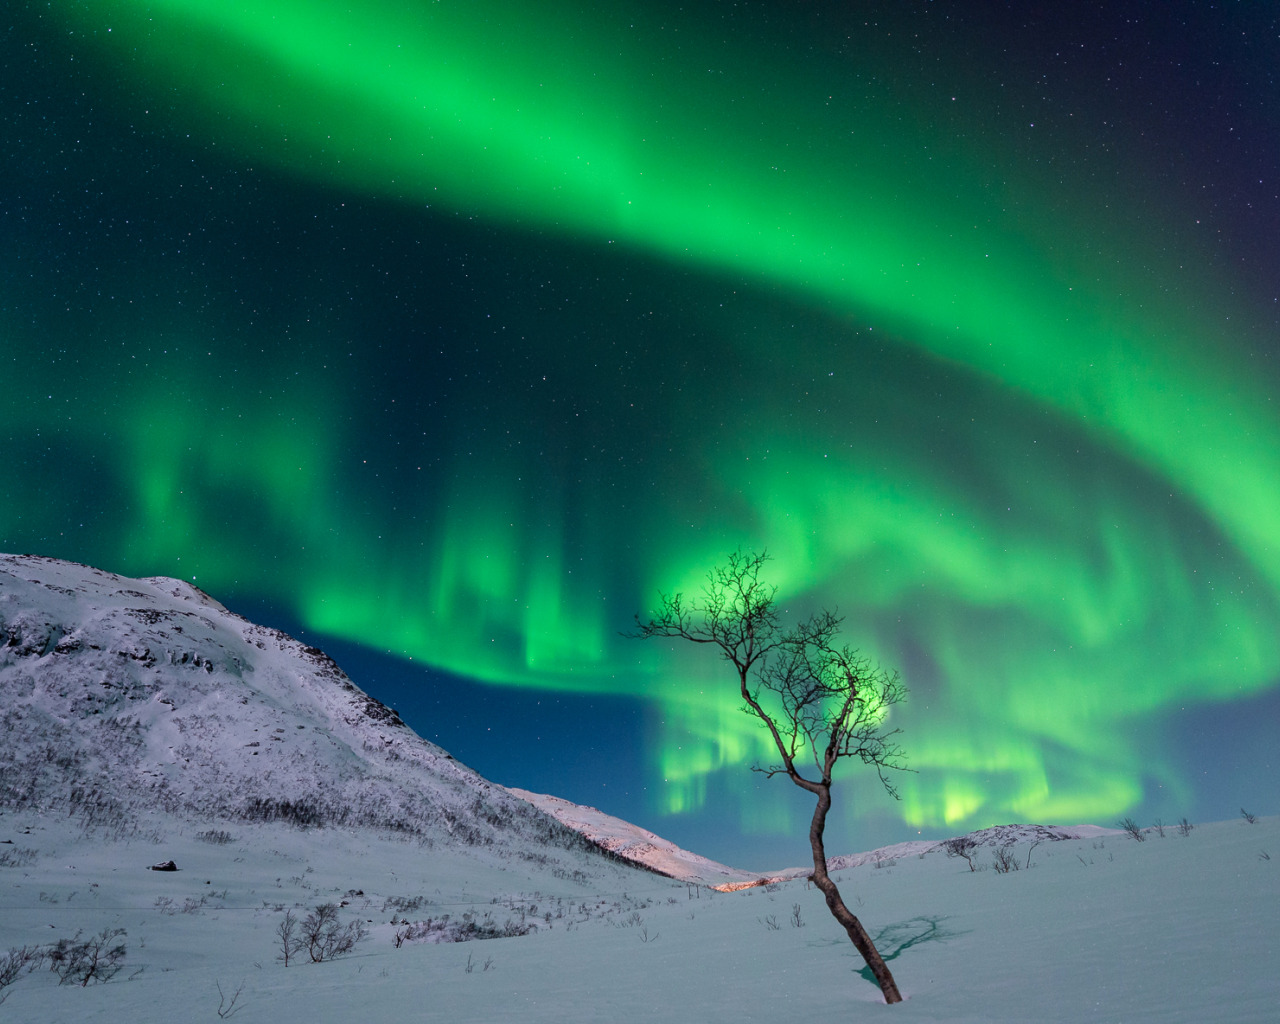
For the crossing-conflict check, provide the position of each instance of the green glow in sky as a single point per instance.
(1019, 445)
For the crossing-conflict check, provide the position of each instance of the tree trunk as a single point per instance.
(835, 904)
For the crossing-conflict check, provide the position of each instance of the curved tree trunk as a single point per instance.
(835, 904)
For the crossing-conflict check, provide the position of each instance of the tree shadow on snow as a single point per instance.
(895, 939)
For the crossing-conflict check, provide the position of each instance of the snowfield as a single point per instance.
(140, 719)
(1105, 929)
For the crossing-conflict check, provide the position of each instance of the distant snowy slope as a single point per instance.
(996, 835)
(639, 845)
(633, 843)
(121, 696)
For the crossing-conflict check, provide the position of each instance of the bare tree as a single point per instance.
(290, 943)
(323, 938)
(1133, 829)
(1003, 859)
(962, 846)
(815, 698)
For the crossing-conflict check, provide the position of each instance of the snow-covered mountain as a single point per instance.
(121, 697)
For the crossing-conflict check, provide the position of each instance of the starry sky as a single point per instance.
(448, 335)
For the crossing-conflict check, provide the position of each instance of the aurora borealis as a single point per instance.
(459, 331)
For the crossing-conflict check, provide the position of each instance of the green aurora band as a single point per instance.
(1030, 472)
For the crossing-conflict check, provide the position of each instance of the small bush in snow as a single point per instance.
(16, 962)
(1003, 860)
(323, 938)
(17, 857)
(962, 846)
(98, 958)
(1249, 818)
(464, 929)
(1131, 827)
(229, 1009)
(1185, 827)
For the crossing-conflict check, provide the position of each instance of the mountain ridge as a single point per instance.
(119, 696)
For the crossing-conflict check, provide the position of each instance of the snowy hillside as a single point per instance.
(120, 698)
(633, 843)
(996, 836)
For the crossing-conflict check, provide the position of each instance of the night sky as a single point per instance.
(447, 335)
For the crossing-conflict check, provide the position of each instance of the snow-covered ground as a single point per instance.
(1106, 929)
(144, 723)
